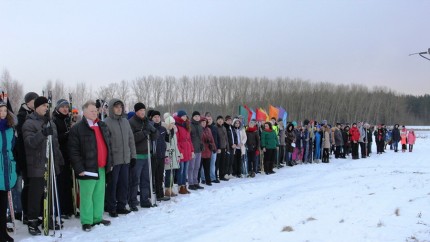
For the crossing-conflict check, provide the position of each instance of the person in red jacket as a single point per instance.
(355, 136)
(185, 148)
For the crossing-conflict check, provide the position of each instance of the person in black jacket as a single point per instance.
(253, 146)
(36, 130)
(157, 160)
(91, 156)
(20, 194)
(143, 132)
(231, 147)
(396, 137)
(61, 118)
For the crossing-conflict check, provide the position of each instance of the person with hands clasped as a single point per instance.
(269, 142)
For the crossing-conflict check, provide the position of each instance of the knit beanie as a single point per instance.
(155, 112)
(219, 117)
(139, 106)
(30, 96)
(181, 113)
(61, 103)
(195, 113)
(40, 101)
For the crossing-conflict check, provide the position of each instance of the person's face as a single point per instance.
(156, 119)
(203, 124)
(184, 117)
(251, 124)
(228, 121)
(237, 124)
(31, 104)
(266, 126)
(91, 113)
(220, 121)
(196, 118)
(64, 110)
(3, 112)
(75, 114)
(42, 109)
(117, 109)
(210, 120)
(141, 113)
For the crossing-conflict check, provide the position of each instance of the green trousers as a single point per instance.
(92, 195)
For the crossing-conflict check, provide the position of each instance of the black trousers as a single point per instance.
(252, 161)
(363, 149)
(230, 160)
(354, 150)
(65, 184)
(35, 197)
(326, 155)
(206, 163)
(269, 158)
(3, 215)
(157, 165)
(237, 163)
(220, 163)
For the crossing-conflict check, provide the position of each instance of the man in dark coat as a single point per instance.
(62, 120)
(26, 109)
(396, 137)
(91, 156)
(36, 130)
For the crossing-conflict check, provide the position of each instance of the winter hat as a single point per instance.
(203, 119)
(169, 120)
(30, 96)
(195, 113)
(219, 117)
(61, 103)
(181, 113)
(154, 113)
(149, 113)
(227, 117)
(2, 104)
(294, 123)
(139, 106)
(40, 101)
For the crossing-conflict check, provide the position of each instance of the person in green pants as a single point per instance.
(91, 157)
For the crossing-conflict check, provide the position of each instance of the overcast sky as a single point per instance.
(365, 42)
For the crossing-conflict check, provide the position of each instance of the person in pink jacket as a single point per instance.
(411, 139)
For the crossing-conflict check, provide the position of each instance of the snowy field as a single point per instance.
(381, 198)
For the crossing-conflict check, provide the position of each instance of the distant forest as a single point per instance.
(222, 95)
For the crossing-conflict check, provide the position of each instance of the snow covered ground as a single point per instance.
(381, 198)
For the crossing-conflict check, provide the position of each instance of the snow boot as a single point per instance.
(33, 227)
(169, 193)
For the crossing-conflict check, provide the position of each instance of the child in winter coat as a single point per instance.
(403, 138)
(411, 139)
(269, 142)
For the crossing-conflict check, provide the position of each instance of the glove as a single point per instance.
(47, 131)
(132, 162)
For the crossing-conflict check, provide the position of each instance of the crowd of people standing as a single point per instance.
(125, 161)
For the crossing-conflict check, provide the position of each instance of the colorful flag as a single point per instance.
(254, 114)
(283, 115)
(261, 115)
(244, 113)
(249, 113)
(273, 112)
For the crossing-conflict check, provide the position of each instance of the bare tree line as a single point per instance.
(223, 95)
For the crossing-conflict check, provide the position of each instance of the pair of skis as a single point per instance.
(50, 196)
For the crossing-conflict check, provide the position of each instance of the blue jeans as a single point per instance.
(182, 173)
(117, 188)
(396, 145)
(139, 180)
(212, 166)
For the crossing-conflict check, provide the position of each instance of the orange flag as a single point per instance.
(273, 112)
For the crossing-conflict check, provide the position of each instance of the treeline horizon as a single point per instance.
(222, 95)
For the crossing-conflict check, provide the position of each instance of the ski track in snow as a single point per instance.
(381, 198)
